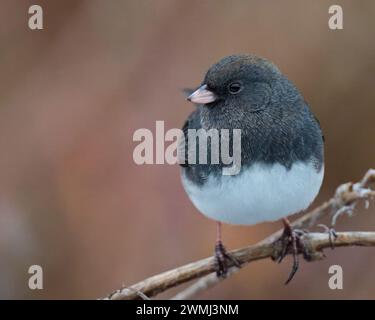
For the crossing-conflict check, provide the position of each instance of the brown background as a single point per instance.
(71, 198)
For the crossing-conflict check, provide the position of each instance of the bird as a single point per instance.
(282, 151)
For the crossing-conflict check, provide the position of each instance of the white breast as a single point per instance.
(261, 193)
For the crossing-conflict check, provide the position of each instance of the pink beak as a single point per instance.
(202, 95)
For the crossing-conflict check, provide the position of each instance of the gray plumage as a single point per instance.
(276, 123)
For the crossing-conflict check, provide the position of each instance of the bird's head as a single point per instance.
(244, 82)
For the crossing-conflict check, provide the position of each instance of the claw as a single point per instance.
(290, 241)
(221, 257)
(294, 242)
(284, 248)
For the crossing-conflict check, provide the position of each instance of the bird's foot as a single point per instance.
(221, 260)
(290, 241)
(331, 234)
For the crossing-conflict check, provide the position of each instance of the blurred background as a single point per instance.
(71, 95)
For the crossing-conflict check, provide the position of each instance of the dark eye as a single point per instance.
(235, 87)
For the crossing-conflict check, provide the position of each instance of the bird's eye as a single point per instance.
(235, 87)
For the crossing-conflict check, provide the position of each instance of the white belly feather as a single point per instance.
(261, 193)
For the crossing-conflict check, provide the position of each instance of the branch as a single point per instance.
(344, 201)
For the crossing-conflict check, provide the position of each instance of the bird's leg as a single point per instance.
(221, 255)
(290, 241)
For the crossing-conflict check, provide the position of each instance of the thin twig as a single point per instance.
(343, 199)
(346, 195)
(202, 285)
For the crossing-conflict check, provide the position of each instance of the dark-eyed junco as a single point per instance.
(282, 144)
